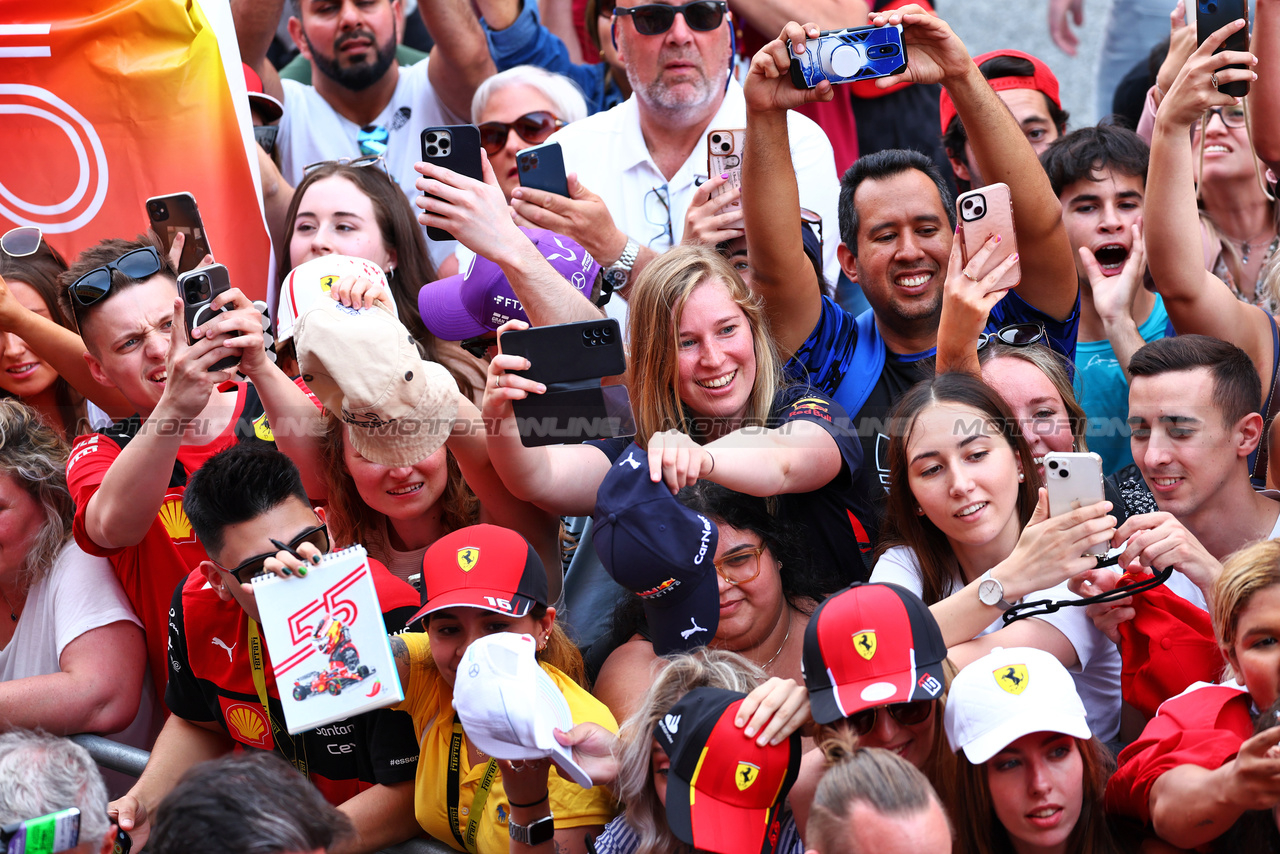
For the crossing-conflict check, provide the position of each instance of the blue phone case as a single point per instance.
(842, 56)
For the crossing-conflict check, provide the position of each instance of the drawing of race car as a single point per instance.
(332, 680)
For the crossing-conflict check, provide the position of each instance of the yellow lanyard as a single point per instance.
(260, 682)
(477, 802)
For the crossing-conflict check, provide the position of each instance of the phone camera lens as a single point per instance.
(1211, 8)
(432, 151)
(1064, 473)
(1053, 464)
(533, 161)
(431, 137)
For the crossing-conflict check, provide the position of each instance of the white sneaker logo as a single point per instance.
(631, 460)
(220, 642)
(688, 633)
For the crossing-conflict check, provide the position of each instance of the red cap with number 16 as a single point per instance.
(482, 566)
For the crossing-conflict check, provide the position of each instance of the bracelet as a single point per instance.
(512, 803)
(713, 463)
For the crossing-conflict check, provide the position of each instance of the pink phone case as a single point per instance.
(724, 156)
(982, 213)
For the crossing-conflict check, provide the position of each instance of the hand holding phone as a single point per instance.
(1074, 479)
(174, 214)
(983, 214)
(1213, 15)
(842, 56)
(457, 148)
(199, 288)
(542, 168)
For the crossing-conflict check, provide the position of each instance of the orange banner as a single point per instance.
(103, 105)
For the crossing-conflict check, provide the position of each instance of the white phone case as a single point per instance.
(1071, 477)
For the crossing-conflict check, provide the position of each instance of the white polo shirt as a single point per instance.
(608, 152)
(311, 131)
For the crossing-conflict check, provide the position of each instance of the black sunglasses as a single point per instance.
(533, 128)
(1015, 335)
(96, 284)
(907, 714)
(256, 565)
(653, 19)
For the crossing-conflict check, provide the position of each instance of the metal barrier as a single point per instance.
(131, 760)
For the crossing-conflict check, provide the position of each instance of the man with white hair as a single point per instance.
(42, 774)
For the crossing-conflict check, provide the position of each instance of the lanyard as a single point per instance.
(260, 682)
(477, 801)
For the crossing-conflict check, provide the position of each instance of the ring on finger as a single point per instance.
(968, 276)
(1213, 79)
(497, 381)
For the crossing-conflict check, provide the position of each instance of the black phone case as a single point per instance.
(197, 312)
(1213, 15)
(571, 359)
(180, 213)
(542, 168)
(462, 155)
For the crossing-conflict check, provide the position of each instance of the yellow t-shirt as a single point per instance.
(429, 700)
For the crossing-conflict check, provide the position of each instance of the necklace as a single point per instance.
(1246, 246)
(13, 615)
(780, 646)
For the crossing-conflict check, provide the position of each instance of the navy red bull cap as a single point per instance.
(724, 791)
(868, 645)
(660, 550)
(482, 566)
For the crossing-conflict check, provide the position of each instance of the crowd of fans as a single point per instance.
(818, 600)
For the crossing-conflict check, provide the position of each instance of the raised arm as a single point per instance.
(770, 16)
(936, 55)
(460, 60)
(1114, 296)
(255, 22)
(1264, 102)
(1197, 301)
(967, 300)
(780, 272)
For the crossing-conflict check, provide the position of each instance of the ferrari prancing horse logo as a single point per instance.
(1012, 678)
(745, 775)
(467, 558)
(865, 644)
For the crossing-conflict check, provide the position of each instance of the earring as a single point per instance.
(391, 274)
(1021, 477)
(919, 510)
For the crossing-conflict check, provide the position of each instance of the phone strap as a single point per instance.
(454, 784)
(1041, 607)
(260, 683)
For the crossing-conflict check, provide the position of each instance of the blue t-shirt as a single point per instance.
(1103, 392)
(826, 358)
(832, 517)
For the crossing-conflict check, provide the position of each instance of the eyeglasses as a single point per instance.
(653, 19)
(733, 568)
(1015, 335)
(21, 241)
(372, 140)
(907, 714)
(96, 284)
(533, 128)
(353, 162)
(657, 210)
(1232, 116)
(256, 565)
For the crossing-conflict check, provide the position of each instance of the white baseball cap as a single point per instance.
(1007, 694)
(509, 706)
(312, 281)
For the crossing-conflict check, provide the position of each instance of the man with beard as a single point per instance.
(640, 164)
(360, 101)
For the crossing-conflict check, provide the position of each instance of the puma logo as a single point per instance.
(688, 633)
(631, 460)
(220, 642)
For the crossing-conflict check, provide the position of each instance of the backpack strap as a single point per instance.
(866, 367)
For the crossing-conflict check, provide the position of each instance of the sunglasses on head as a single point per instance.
(1014, 335)
(653, 19)
(256, 565)
(907, 714)
(96, 284)
(533, 128)
(21, 241)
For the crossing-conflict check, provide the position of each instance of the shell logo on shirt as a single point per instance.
(1012, 678)
(745, 774)
(175, 521)
(247, 724)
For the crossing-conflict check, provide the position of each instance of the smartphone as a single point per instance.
(1213, 15)
(981, 214)
(724, 157)
(542, 168)
(178, 213)
(123, 843)
(841, 56)
(1071, 477)
(571, 359)
(455, 147)
(198, 289)
(59, 831)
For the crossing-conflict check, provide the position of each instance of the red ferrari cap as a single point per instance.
(724, 792)
(1042, 80)
(868, 645)
(482, 566)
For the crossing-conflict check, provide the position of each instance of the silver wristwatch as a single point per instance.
(535, 833)
(617, 273)
(991, 592)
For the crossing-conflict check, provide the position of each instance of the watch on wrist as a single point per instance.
(617, 273)
(536, 833)
(991, 592)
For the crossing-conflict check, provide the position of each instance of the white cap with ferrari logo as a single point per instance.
(1007, 694)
